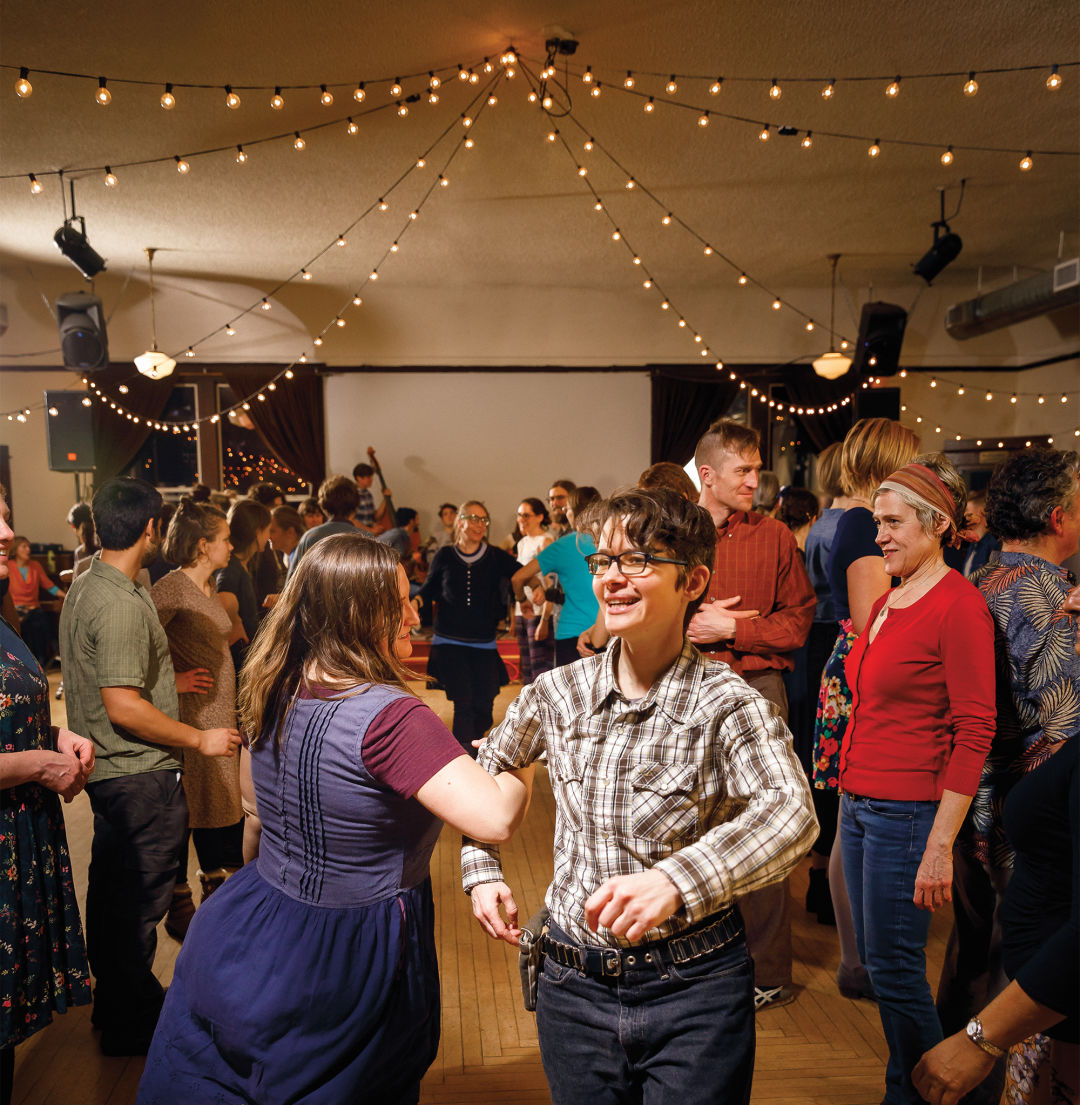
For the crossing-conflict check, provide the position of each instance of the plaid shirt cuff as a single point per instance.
(479, 863)
(704, 885)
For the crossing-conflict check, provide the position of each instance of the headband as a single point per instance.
(928, 488)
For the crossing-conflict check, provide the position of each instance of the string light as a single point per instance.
(341, 240)
(743, 279)
(892, 89)
(671, 87)
(168, 100)
(714, 88)
(595, 91)
(326, 97)
(947, 157)
(629, 82)
(230, 330)
(703, 119)
(181, 165)
(650, 106)
(875, 148)
(586, 77)
(666, 220)
(241, 156)
(433, 81)
(829, 90)
(971, 85)
(24, 89)
(277, 101)
(298, 141)
(383, 205)
(265, 305)
(808, 141)
(1053, 82)
(776, 304)
(775, 91)
(351, 127)
(402, 109)
(1026, 162)
(357, 301)
(304, 274)
(103, 96)
(420, 162)
(35, 185)
(232, 100)
(359, 95)
(764, 133)
(395, 89)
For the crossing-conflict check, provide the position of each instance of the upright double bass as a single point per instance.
(388, 520)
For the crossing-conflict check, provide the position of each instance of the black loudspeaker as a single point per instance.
(881, 333)
(69, 433)
(878, 403)
(81, 322)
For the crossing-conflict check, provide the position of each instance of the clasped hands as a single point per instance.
(715, 620)
(68, 772)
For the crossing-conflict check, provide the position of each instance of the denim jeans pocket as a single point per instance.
(555, 974)
(890, 809)
(725, 963)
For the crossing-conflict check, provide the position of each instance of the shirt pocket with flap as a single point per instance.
(663, 800)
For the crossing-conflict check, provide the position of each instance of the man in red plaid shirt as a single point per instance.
(757, 611)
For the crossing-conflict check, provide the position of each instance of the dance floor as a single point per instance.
(820, 1050)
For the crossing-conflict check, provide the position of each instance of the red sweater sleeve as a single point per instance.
(406, 744)
(967, 652)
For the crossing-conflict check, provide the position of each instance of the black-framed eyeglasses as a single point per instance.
(476, 518)
(631, 563)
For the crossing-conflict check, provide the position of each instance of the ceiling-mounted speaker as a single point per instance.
(81, 322)
(881, 333)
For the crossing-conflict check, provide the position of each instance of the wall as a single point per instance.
(497, 436)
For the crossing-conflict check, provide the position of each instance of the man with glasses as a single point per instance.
(676, 789)
(558, 500)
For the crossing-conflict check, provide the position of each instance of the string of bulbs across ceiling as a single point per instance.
(507, 61)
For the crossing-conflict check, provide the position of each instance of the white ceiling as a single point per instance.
(510, 264)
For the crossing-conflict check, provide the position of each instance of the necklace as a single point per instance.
(914, 584)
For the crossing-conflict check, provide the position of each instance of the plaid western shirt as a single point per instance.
(697, 779)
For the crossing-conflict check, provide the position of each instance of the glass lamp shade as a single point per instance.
(832, 365)
(155, 364)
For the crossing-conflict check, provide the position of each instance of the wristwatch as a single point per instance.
(975, 1035)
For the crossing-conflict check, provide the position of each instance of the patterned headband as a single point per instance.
(929, 489)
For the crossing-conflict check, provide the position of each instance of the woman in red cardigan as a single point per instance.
(922, 677)
(28, 578)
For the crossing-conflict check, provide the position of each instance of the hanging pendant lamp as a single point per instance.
(832, 365)
(153, 362)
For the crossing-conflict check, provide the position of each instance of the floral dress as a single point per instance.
(833, 712)
(42, 955)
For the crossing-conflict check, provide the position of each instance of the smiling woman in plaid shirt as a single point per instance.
(676, 789)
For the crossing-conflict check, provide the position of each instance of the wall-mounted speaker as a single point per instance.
(69, 433)
(881, 333)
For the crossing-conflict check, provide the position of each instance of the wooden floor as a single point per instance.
(820, 1050)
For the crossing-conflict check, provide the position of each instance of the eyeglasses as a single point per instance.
(526, 514)
(475, 518)
(628, 563)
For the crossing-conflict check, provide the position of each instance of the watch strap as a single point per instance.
(975, 1035)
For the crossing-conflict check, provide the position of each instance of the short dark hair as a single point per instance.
(666, 473)
(660, 518)
(288, 517)
(362, 470)
(448, 506)
(192, 523)
(338, 496)
(580, 497)
(81, 519)
(121, 510)
(1024, 490)
(537, 506)
(265, 493)
(404, 515)
(311, 506)
(200, 492)
(566, 485)
(798, 506)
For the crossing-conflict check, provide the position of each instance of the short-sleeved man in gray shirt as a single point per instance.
(110, 636)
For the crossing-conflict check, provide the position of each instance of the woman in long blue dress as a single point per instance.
(311, 976)
(43, 968)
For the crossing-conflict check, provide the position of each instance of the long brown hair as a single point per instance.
(337, 617)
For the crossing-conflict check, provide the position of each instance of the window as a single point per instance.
(171, 459)
(245, 458)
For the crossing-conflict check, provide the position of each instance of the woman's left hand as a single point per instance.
(933, 880)
(80, 747)
(951, 1069)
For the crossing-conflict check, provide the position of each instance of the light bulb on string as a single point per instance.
(359, 95)
(829, 90)
(469, 143)
(339, 321)
(24, 89)
(492, 100)
(443, 182)
(420, 162)
(103, 96)
(241, 155)
(743, 279)
(265, 305)
(383, 205)
(808, 141)
(582, 171)
(357, 301)
(1041, 400)
(298, 141)
(764, 134)
(586, 77)
(433, 97)
(971, 85)
(168, 100)
(35, 185)
(304, 274)
(947, 157)
(1053, 82)
(776, 305)
(874, 149)
(630, 184)
(318, 341)
(775, 91)
(232, 100)
(650, 106)
(277, 101)
(703, 119)
(466, 121)
(1026, 162)
(395, 89)
(433, 81)
(892, 89)
(351, 127)
(629, 82)
(182, 166)
(190, 352)
(326, 97)
(714, 88)
(414, 215)
(810, 326)
(666, 220)
(671, 87)
(230, 330)
(595, 91)
(402, 109)
(341, 240)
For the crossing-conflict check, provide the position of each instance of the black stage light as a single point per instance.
(71, 241)
(944, 251)
(81, 322)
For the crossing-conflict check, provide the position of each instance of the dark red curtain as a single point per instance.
(292, 422)
(685, 399)
(805, 388)
(116, 439)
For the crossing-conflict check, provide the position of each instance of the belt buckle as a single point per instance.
(605, 962)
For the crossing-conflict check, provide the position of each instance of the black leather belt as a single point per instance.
(610, 962)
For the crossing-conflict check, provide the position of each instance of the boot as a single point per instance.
(211, 880)
(181, 910)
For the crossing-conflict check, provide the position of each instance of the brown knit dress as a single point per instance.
(198, 628)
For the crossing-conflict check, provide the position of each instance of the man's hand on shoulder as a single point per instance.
(218, 742)
(715, 621)
(630, 905)
(487, 897)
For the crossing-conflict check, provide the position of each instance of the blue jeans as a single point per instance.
(883, 841)
(659, 1034)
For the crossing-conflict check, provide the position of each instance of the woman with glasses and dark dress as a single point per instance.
(469, 582)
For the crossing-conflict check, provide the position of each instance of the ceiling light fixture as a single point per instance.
(832, 365)
(153, 362)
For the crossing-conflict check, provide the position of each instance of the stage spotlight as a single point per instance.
(943, 252)
(72, 242)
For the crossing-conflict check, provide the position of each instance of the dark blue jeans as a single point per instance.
(659, 1034)
(883, 843)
